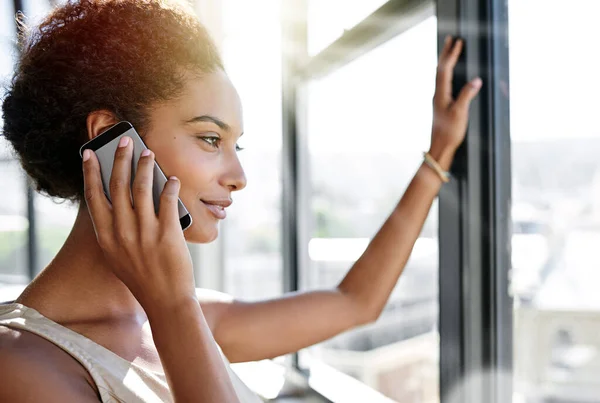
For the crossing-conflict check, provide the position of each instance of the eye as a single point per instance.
(213, 141)
(239, 145)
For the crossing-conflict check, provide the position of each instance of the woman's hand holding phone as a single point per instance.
(147, 251)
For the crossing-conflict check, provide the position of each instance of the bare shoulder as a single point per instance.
(34, 369)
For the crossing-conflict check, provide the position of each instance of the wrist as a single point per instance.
(159, 310)
(444, 155)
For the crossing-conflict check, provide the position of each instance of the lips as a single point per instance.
(217, 207)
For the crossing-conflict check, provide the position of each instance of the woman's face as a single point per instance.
(194, 138)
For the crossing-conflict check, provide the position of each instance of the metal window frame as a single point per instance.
(294, 52)
(475, 216)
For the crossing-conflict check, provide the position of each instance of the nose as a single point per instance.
(234, 177)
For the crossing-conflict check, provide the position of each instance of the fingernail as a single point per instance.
(173, 185)
(476, 82)
(124, 141)
(86, 154)
(447, 39)
(145, 153)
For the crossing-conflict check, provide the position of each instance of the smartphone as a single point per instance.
(105, 145)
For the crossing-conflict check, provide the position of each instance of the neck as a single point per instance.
(79, 284)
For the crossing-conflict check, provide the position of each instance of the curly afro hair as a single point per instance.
(87, 55)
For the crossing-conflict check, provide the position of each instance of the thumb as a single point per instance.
(468, 92)
(168, 213)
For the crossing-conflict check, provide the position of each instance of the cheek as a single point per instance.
(197, 172)
(195, 168)
(179, 157)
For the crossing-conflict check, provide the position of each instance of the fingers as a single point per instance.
(445, 71)
(168, 213)
(98, 204)
(453, 56)
(439, 84)
(120, 182)
(142, 190)
(448, 42)
(468, 92)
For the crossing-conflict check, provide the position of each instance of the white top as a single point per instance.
(117, 379)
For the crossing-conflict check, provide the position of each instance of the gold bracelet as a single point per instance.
(433, 164)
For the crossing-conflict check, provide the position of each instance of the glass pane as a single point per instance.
(252, 233)
(35, 10)
(556, 194)
(54, 220)
(368, 124)
(54, 217)
(7, 27)
(13, 224)
(328, 19)
(7, 48)
(13, 203)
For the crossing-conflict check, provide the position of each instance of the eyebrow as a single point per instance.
(210, 119)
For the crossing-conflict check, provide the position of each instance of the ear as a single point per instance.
(98, 121)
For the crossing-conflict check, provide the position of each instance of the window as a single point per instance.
(52, 221)
(35, 10)
(329, 19)
(556, 197)
(13, 225)
(53, 218)
(367, 124)
(7, 36)
(13, 205)
(252, 231)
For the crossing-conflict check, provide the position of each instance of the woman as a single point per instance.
(115, 316)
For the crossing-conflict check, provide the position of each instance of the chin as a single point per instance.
(201, 233)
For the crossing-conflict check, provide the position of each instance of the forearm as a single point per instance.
(372, 278)
(192, 363)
